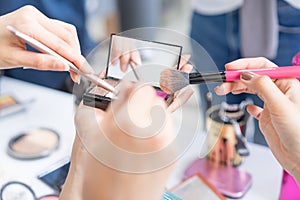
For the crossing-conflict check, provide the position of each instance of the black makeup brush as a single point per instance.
(172, 80)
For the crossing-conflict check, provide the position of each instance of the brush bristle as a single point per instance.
(172, 80)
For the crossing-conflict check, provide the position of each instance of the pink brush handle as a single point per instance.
(273, 73)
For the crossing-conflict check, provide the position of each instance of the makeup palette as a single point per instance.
(33, 144)
(144, 60)
(55, 175)
(9, 105)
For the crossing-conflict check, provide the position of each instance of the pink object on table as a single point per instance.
(289, 188)
(296, 59)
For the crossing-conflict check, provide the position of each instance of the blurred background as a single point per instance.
(106, 17)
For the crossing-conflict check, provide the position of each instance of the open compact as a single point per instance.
(134, 60)
(33, 143)
(18, 190)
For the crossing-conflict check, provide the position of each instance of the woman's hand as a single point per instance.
(57, 35)
(279, 118)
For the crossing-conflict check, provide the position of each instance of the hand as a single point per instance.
(183, 95)
(123, 50)
(59, 36)
(279, 118)
(125, 126)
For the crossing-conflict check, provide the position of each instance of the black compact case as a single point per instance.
(56, 174)
(154, 56)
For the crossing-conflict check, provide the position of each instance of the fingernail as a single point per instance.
(247, 76)
(219, 89)
(27, 68)
(123, 67)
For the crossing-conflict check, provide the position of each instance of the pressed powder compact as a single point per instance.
(9, 105)
(146, 60)
(18, 190)
(33, 144)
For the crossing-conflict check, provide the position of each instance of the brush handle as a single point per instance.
(212, 77)
(273, 73)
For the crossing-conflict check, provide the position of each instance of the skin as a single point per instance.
(124, 118)
(88, 173)
(279, 118)
(57, 35)
(125, 52)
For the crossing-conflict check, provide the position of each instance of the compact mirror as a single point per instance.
(134, 59)
(149, 57)
(33, 144)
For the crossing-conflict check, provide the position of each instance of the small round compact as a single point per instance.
(18, 190)
(33, 144)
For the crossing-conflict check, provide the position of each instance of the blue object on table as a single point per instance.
(170, 196)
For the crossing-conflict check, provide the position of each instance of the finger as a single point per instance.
(114, 54)
(226, 88)
(291, 89)
(75, 77)
(243, 90)
(64, 31)
(38, 61)
(61, 28)
(124, 60)
(250, 63)
(181, 98)
(188, 68)
(254, 111)
(184, 59)
(135, 57)
(102, 74)
(54, 42)
(266, 88)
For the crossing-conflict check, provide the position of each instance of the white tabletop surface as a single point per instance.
(54, 109)
(51, 109)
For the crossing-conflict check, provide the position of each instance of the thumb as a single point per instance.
(266, 89)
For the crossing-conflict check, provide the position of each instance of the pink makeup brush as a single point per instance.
(173, 80)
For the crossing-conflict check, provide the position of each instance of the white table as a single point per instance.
(54, 109)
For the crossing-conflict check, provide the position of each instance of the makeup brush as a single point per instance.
(172, 80)
(44, 49)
